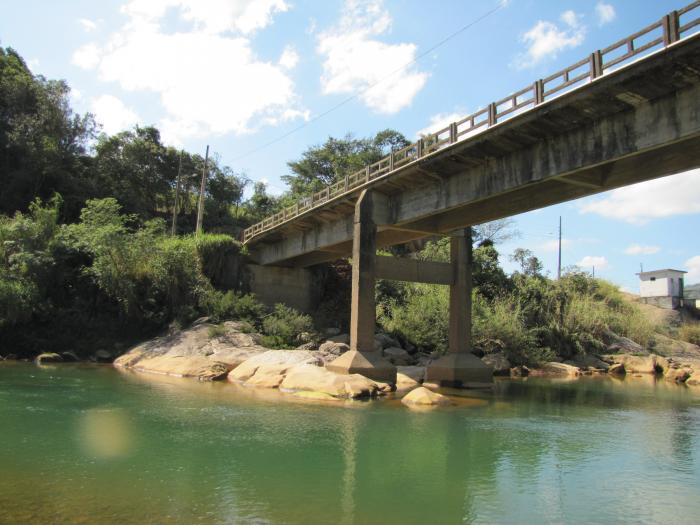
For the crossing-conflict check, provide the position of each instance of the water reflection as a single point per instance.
(161, 450)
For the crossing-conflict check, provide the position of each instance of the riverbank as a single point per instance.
(209, 352)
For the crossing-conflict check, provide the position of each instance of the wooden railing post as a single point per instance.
(367, 173)
(670, 25)
(419, 148)
(596, 64)
(453, 132)
(391, 161)
(492, 114)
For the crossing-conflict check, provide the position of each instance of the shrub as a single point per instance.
(690, 332)
(422, 318)
(222, 306)
(218, 330)
(285, 325)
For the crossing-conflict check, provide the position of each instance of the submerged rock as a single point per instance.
(422, 397)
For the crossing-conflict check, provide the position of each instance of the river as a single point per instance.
(87, 444)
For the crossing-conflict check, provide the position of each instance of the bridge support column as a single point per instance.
(459, 367)
(362, 357)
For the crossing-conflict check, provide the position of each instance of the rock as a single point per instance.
(387, 341)
(193, 353)
(500, 364)
(619, 344)
(48, 357)
(661, 364)
(267, 376)
(312, 378)
(69, 356)
(397, 356)
(519, 371)
(331, 331)
(316, 396)
(590, 361)
(616, 369)
(341, 338)
(308, 346)
(694, 379)
(678, 375)
(408, 377)
(333, 348)
(636, 364)
(283, 359)
(417, 373)
(103, 356)
(558, 369)
(422, 397)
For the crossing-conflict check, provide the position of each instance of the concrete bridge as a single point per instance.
(624, 114)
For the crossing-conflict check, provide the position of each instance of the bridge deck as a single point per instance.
(658, 61)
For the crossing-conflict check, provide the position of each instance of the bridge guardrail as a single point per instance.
(670, 29)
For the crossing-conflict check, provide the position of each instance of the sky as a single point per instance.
(263, 80)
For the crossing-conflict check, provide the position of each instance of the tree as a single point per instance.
(322, 165)
(529, 264)
(42, 143)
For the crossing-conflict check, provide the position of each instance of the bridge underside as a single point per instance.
(632, 125)
(629, 126)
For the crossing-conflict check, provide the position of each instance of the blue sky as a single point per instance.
(238, 74)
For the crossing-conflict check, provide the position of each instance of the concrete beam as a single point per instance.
(414, 270)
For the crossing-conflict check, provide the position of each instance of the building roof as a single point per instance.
(655, 272)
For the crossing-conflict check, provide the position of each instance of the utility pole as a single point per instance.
(177, 196)
(559, 258)
(200, 206)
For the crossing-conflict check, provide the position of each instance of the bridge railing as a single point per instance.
(670, 29)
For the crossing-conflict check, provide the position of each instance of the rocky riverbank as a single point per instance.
(225, 352)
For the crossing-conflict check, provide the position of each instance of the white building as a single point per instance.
(662, 288)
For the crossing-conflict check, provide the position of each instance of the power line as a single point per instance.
(501, 5)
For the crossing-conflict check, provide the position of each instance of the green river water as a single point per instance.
(86, 444)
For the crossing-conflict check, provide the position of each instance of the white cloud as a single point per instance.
(637, 249)
(209, 16)
(638, 204)
(590, 261)
(289, 58)
(354, 60)
(605, 13)
(546, 39)
(113, 114)
(87, 25)
(87, 56)
(75, 94)
(439, 121)
(208, 78)
(693, 266)
(553, 245)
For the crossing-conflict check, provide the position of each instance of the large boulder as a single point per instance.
(588, 361)
(307, 377)
(678, 375)
(557, 369)
(331, 348)
(636, 364)
(272, 362)
(422, 397)
(694, 379)
(340, 338)
(408, 377)
(498, 361)
(623, 345)
(198, 351)
(48, 357)
(386, 340)
(397, 355)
